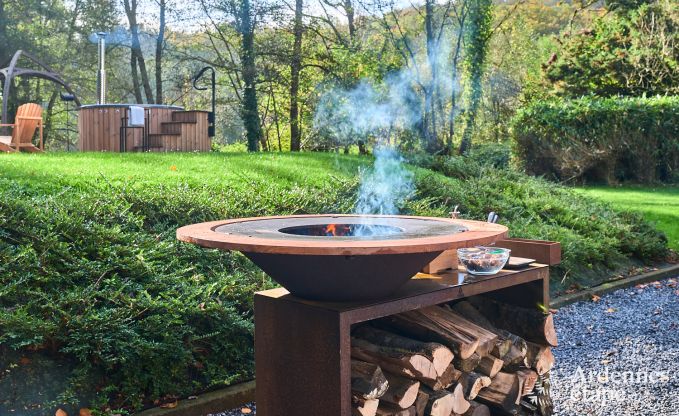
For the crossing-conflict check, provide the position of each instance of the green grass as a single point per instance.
(217, 170)
(91, 273)
(659, 205)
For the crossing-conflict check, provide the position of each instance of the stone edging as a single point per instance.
(211, 402)
(235, 396)
(662, 273)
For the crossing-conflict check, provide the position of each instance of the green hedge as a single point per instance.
(600, 139)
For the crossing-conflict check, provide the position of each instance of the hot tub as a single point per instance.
(167, 128)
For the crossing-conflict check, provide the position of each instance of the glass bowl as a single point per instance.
(483, 260)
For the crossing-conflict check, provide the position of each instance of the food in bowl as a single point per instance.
(483, 260)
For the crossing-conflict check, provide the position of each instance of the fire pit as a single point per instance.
(341, 257)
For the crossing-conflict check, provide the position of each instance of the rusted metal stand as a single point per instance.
(302, 348)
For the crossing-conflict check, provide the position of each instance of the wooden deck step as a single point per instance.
(185, 116)
(173, 127)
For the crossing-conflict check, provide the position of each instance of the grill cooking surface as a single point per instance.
(376, 228)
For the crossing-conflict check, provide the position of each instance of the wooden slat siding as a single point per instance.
(206, 141)
(108, 146)
(81, 121)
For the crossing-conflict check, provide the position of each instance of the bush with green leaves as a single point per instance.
(595, 239)
(91, 274)
(632, 52)
(600, 139)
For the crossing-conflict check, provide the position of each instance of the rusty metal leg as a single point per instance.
(302, 357)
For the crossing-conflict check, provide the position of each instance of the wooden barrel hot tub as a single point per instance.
(166, 128)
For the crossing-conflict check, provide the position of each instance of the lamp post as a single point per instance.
(67, 98)
(211, 117)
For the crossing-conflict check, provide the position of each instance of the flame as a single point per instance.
(337, 230)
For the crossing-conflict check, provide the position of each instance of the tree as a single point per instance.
(478, 35)
(295, 68)
(160, 46)
(136, 55)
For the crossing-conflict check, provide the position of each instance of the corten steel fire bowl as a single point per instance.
(341, 257)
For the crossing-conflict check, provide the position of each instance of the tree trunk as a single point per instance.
(250, 111)
(131, 12)
(430, 116)
(4, 42)
(160, 43)
(349, 10)
(136, 87)
(478, 37)
(295, 69)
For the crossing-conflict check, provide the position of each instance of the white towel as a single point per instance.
(136, 116)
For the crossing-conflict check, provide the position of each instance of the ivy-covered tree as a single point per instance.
(478, 35)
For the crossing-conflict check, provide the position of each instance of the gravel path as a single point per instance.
(631, 335)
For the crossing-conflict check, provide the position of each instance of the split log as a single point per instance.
(394, 360)
(539, 358)
(467, 365)
(466, 309)
(472, 383)
(513, 360)
(445, 402)
(386, 409)
(421, 403)
(363, 407)
(402, 392)
(504, 393)
(530, 324)
(424, 325)
(460, 404)
(477, 409)
(527, 379)
(489, 366)
(438, 354)
(458, 322)
(445, 380)
(367, 380)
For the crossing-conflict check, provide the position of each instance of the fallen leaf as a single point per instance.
(24, 361)
(60, 412)
(246, 411)
(170, 405)
(596, 298)
(610, 310)
(85, 412)
(173, 168)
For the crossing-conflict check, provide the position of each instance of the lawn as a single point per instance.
(659, 205)
(92, 277)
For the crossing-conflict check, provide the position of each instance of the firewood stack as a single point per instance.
(475, 357)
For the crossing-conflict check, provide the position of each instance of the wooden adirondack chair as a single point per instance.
(28, 119)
